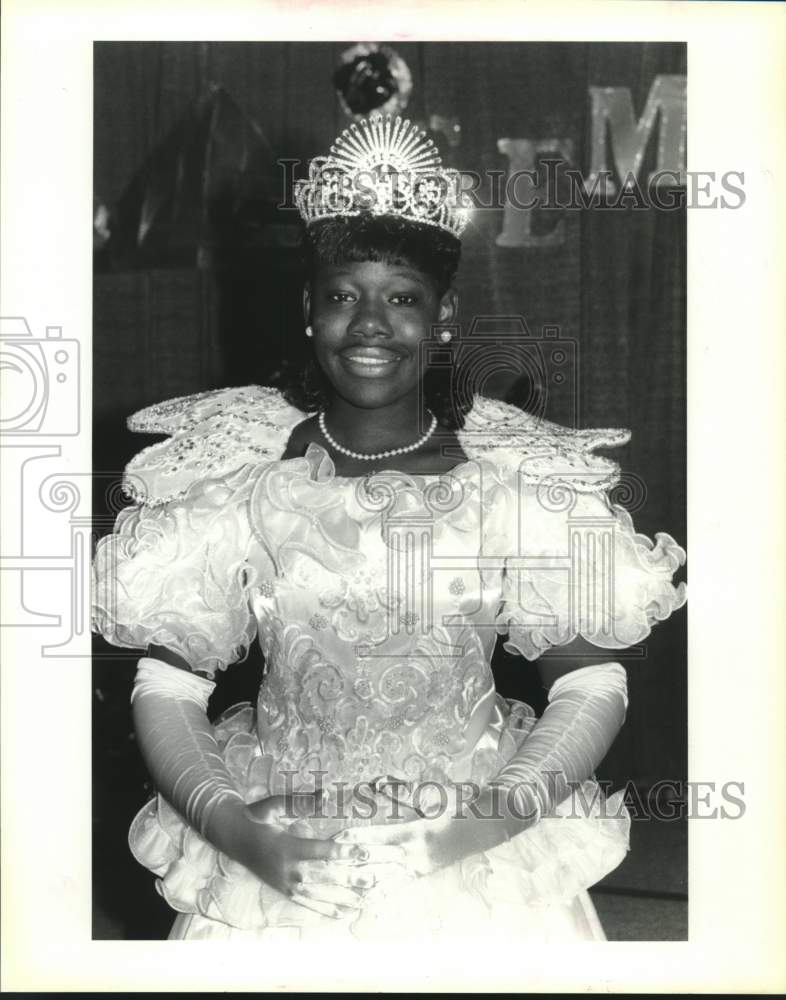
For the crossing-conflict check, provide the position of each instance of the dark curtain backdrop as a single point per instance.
(175, 324)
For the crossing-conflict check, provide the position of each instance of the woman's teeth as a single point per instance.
(370, 362)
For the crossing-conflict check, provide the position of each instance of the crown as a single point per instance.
(384, 166)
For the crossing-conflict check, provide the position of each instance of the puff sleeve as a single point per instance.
(178, 574)
(575, 566)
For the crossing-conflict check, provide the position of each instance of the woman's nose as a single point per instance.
(370, 322)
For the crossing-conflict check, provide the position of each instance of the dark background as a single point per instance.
(186, 137)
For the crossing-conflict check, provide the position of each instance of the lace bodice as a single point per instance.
(376, 601)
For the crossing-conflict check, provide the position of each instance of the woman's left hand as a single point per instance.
(459, 827)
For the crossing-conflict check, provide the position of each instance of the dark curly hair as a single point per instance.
(389, 240)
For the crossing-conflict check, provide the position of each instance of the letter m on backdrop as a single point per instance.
(612, 115)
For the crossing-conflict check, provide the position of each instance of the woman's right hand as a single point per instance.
(323, 875)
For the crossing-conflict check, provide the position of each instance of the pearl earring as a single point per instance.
(446, 336)
(309, 332)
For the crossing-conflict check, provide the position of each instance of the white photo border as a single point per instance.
(736, 355)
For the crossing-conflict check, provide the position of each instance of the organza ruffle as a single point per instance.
(177, 575)
(611, 587)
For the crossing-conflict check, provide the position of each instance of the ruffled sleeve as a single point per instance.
(178, 575)
(576, 567)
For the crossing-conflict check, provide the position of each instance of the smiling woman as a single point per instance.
(378, 291)
(370, 321)
(377, 534)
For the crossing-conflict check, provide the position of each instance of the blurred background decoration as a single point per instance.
(198, 285)
(211, 186)
(372, 79)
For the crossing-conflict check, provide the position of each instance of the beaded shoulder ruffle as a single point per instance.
(543, 453)
(213, 434)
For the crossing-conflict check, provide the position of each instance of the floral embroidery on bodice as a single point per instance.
(378, 664)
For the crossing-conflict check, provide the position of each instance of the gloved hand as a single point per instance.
(585, 712)
(459, 821)
(323, 875)
(183, 757)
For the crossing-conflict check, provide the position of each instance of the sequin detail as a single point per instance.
(216, 433)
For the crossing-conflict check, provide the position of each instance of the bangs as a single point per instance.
(384, 240)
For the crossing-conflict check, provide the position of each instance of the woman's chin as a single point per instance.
(369, 393)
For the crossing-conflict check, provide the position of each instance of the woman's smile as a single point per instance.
(370, 362)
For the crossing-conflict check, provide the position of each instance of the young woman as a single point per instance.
(376, 534)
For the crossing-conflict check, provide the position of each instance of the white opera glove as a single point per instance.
(177, 740)
(181, 752)
(586, 709)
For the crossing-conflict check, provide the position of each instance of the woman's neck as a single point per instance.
(379, 429)
(371, 431)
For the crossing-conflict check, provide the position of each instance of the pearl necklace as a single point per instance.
(381, 454)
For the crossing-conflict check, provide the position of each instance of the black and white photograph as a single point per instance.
(392, 327)
(371, 579)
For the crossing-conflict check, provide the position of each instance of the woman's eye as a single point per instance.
(339, 296)
(404, 300)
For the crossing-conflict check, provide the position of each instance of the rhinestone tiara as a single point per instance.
(384, 166)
